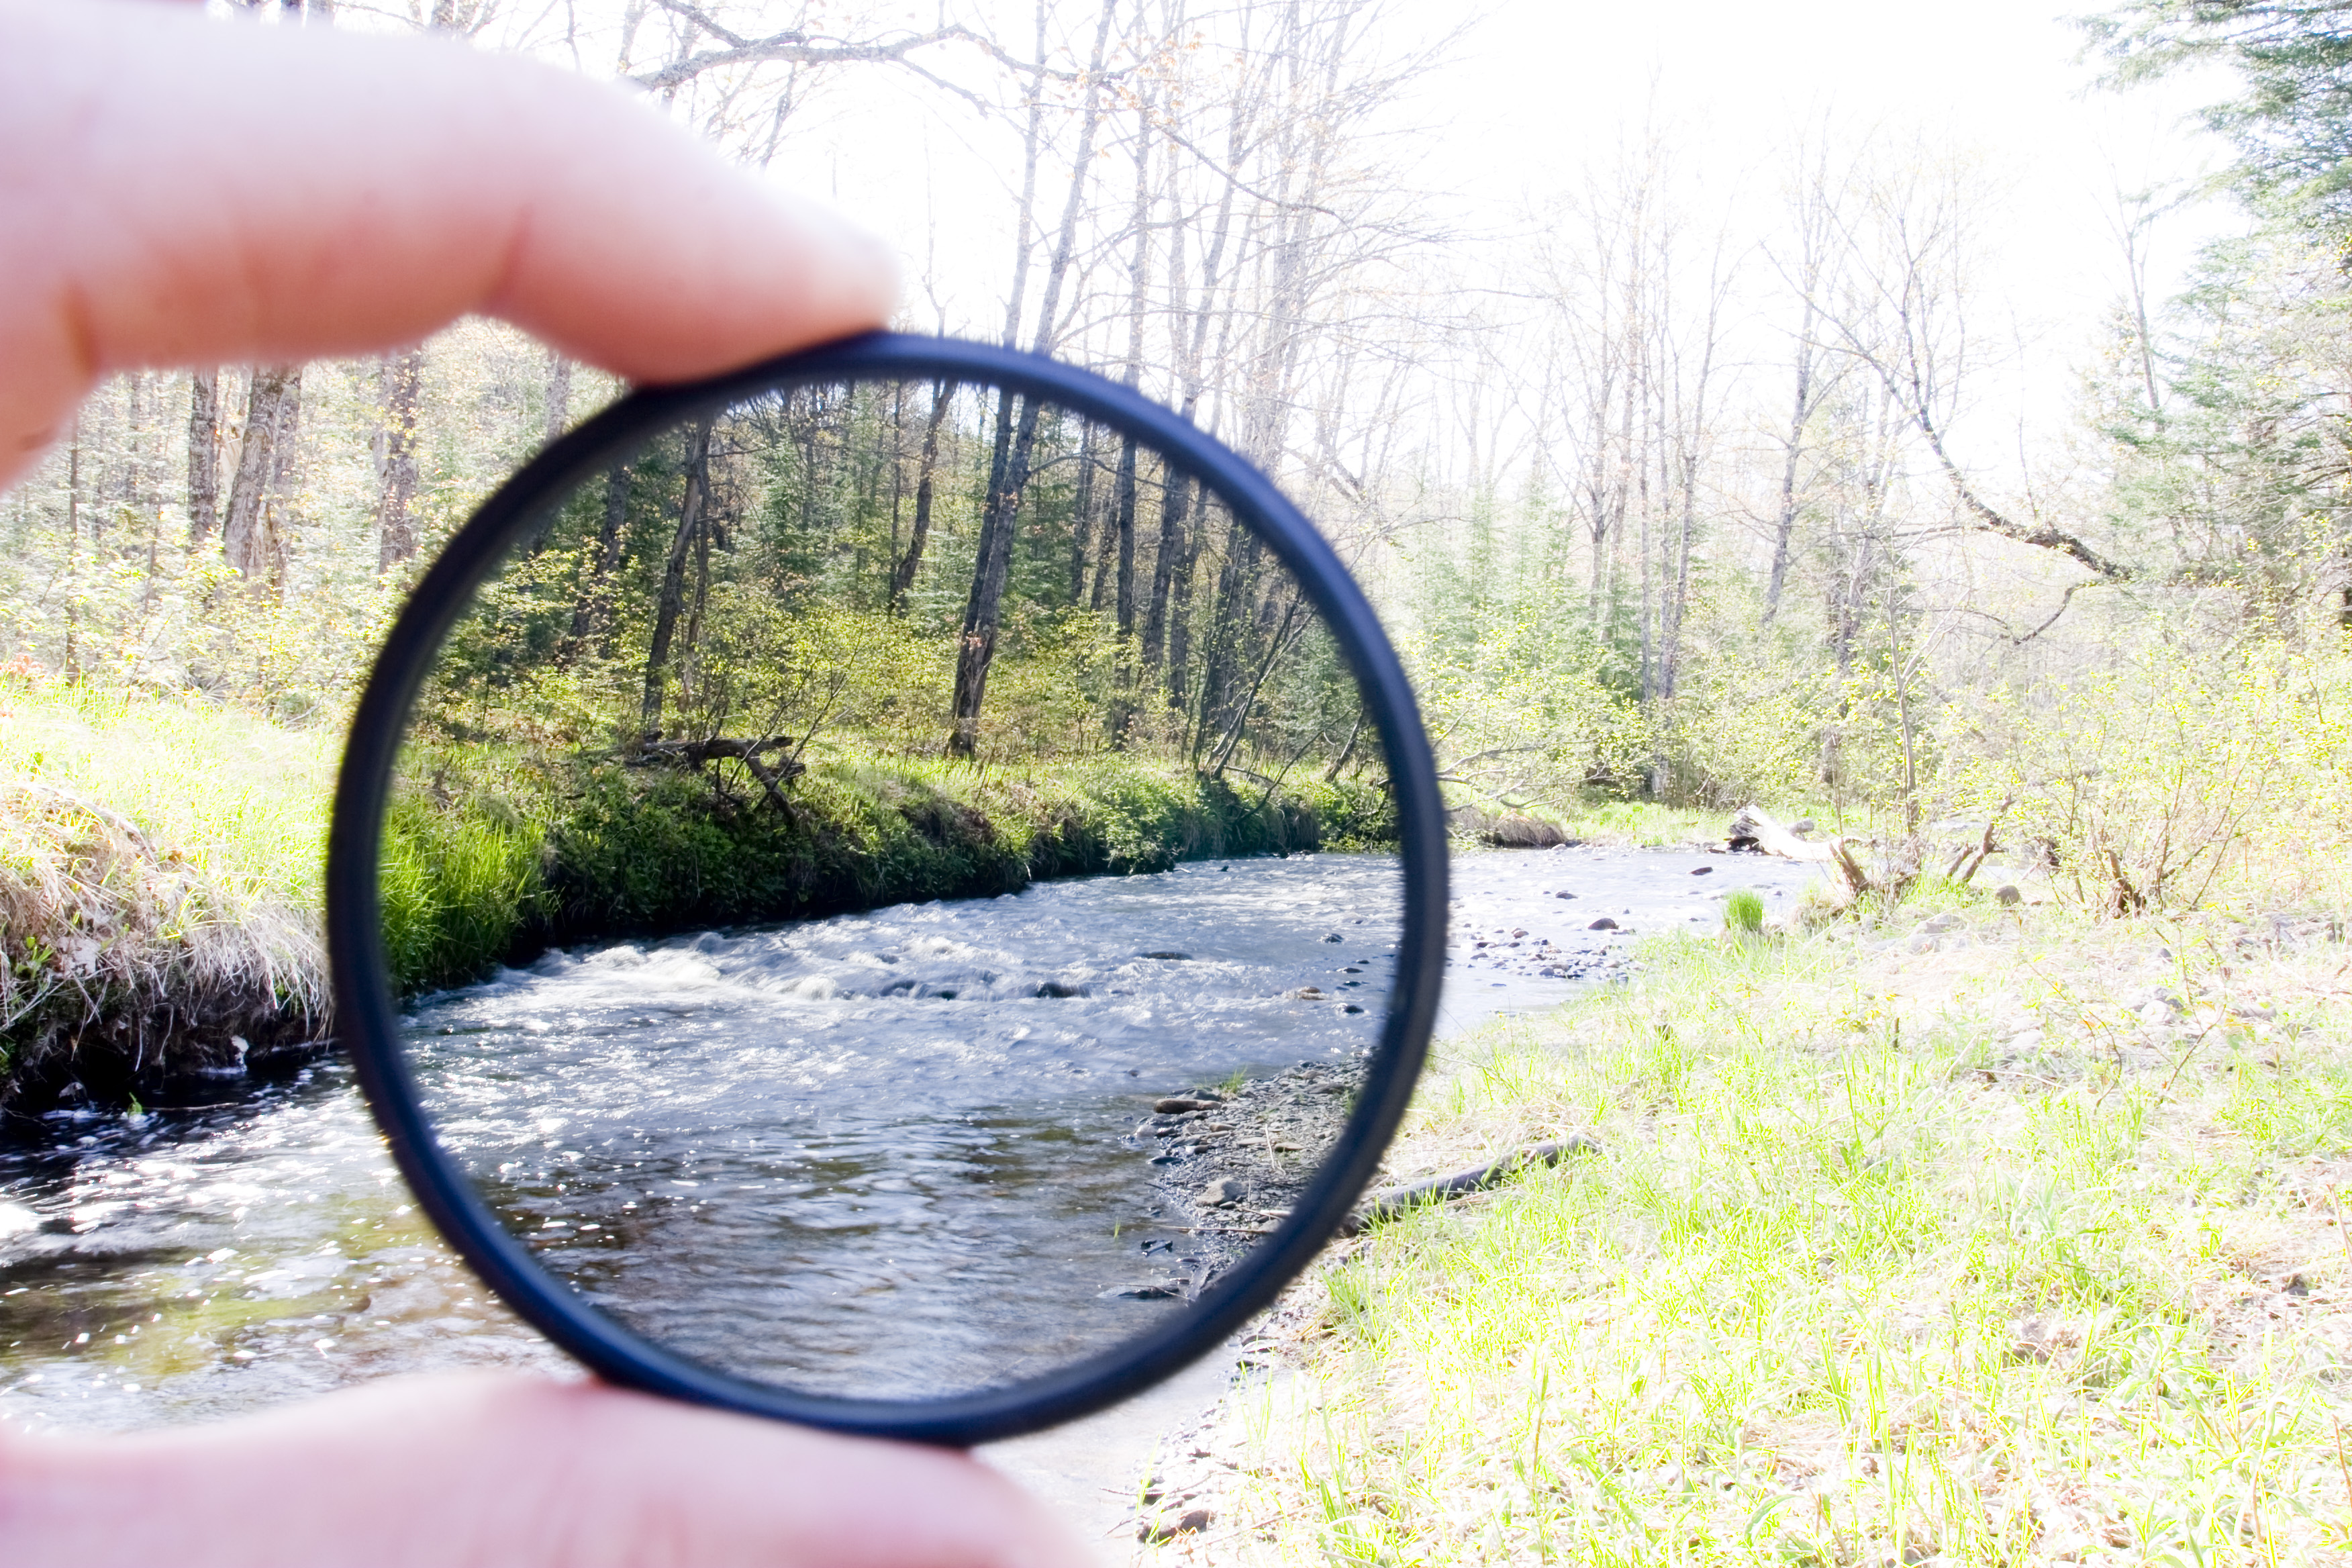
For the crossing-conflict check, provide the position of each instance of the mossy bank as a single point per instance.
(488, 859)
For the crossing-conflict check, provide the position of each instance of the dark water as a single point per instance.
(893, 1153)
(199, 1262)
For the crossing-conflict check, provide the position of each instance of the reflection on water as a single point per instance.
(263, 1249)
(895, 1154)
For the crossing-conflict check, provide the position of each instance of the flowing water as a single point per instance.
(929, 1105)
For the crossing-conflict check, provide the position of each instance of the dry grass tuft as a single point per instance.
(132, 956)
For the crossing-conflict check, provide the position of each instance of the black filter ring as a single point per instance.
(368, 1017)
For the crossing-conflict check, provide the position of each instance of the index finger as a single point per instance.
(179, 190)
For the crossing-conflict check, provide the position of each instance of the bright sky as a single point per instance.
(1540, 82)
(1537, 90)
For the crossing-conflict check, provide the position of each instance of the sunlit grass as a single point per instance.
(243, 799)
(1888, 1258)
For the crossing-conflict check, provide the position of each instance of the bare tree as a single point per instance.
(1908, 240)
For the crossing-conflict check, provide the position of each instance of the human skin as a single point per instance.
(174, 191)
(473, 1468)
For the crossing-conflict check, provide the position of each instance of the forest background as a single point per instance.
(1810, 462)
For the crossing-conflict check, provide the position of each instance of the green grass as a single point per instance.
(159, 861)
(1743, 911)
(1887, 1257)
(244, 800)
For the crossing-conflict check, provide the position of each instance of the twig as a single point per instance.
(1390, 1201)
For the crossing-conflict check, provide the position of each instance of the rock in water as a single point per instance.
(1702, 871)
(1604, 923)
(1178, 1104)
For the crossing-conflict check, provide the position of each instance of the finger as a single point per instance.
(515, 1472)
(179, 190)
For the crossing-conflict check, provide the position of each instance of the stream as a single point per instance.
(963, 1077)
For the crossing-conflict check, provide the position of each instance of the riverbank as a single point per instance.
(159, 863)
(491, 862)
(1975, 1234)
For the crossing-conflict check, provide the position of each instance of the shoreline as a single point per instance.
(168, 1002)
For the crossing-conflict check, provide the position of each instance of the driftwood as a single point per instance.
(694, 753)
(1752, 828)
(1390, 1201)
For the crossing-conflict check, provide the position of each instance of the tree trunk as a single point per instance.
(73, 574)
(270, 411)
(1009, 468)
(396, 521)
(1123, 523)
(1082, 516)
(559, 395)
(204, 456)
(1175, 499)
(690, 513)
(902, 574)
(1798, 416)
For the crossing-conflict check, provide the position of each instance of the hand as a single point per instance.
(174, 191)
(496, 1469)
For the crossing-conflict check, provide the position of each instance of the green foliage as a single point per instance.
(1743, 911)
(2292, 122)
(2174, 778)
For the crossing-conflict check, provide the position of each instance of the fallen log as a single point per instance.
(1390, 1201)
(696, 753)
(1753, 828)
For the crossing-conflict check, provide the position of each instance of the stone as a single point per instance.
(1168, 1292)
(1221, 1192)
(2006, 896)
(1563, 895)
(1936, 925)
(1604, 923)
(1804, 825)
(1702, 870)
(1177, 957)
(1178, 1104)
(1335, 936)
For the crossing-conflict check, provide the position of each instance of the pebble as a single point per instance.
(1222, 1191)
(1604, 923)
(1177, 1105)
